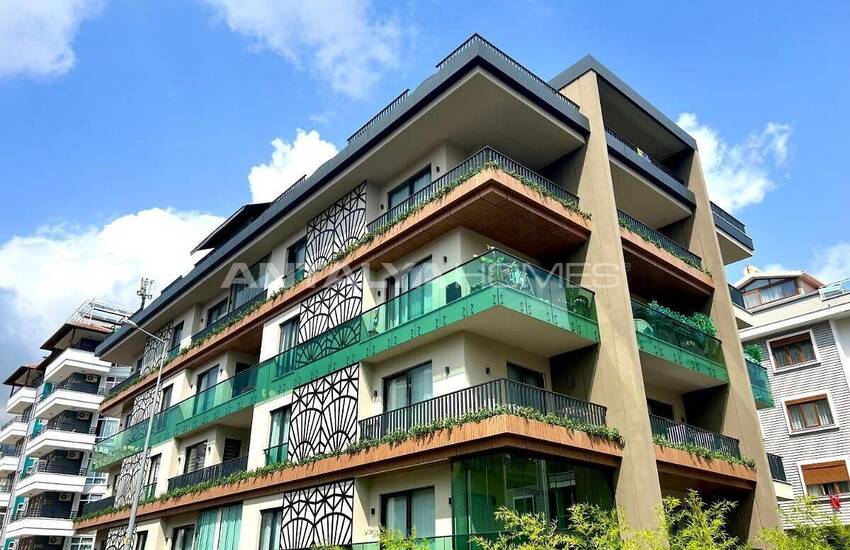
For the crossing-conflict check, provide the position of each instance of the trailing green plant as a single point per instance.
(657, 242)
(704, 452)
(754, 353)
(525, 532)
(393, 539)
(809, 528)
(699, 321)
(692, 524)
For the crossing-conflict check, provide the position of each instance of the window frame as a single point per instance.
(409, 182)
(811, 396)
(292, 266)
(274, 511)
(191, 447)
(224, 304)
(408, 494)
(822, 460)
(776, 368)
(182, 528)
(294, 320)
(406, 373)
(779, 282)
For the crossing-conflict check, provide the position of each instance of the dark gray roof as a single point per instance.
(588, 63)
(474, 52)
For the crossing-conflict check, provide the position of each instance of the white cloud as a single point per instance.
(36, 35)
(46, 275)
(341, 41)
(289, 162)
(741, 174)
(832, 263)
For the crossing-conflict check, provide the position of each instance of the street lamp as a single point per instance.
(131, 525)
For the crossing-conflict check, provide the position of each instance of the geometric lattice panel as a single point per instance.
(318, 516)
(324, 415)
(334, 229)
(128, 479)
(330, 308)
(143, 406)
(115, 538)
(154, 349)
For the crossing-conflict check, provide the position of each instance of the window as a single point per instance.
(809, 414)
(410, 186)
(206, 380)
(659, 408)
(141, 540)
(764, 291)
(183, 537)
(109, 383)
(195, 457)
(278, 435)
(270, 529)
(216, 312)
(826, 478)
(409, 295)
(296, 256)
(289, 333)
(791, 351)
(409, 387)
(525, 376)
(248, 285)
(81, 543)
(176, 336)
(153, 470)
(165, 399)
(410, 511)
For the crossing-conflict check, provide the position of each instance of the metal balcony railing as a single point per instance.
(97, 505)
(45, 512)
(685, 434)
(659, 239)
(124, 384)
(381, 114)
(64, 424)
(498, 393)
(14, 419)
(70, 385)
(733, 221)
(210, 473)
(737, 297)
(643, 154)
(834, 290)
(777, 467)
(276, 454)
(5, 485)
(9, 450)
(486, 156)
(226, 319)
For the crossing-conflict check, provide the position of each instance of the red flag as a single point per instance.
(835, 502)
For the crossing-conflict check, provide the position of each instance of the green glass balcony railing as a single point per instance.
(760, 385)
(495, 279)
(672, 340)
(448, 542)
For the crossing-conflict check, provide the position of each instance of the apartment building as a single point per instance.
(47, 443)
(488, 251)
(799, 330)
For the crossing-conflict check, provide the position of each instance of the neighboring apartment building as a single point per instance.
(803, 330)
(46, 445)
(408, 281)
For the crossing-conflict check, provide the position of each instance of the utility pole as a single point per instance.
(144, 290)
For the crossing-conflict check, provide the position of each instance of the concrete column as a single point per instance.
(617, 381)
(740, 419)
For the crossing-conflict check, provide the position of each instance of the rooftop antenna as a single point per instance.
(144, 290)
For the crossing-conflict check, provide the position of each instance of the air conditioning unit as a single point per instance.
(92, 378)
(54, 541)
(83, 415)
(74, 455)
(66, 497)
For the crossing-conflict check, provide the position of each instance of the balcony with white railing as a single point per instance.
(61, 433)
(13, 430)
(9, 458)
(21, 398)
(44, 476)
(74, 360)
(48, 520)
(68, 395)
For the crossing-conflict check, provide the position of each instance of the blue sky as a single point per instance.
(130, 127)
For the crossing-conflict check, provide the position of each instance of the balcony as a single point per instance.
(21, 398)
(124, 384)
(661, 241)
(5, 492)
(784, 491)
(498, 393)
(44, 476)
(495, 295)
(675, 355)
(61, 433)
(735, 244)
(68, 395)
(737, 297)
(50, 520)
(13, 430)
(94, 506)
(210, 473)
(74, 360)
(487, 157)
(229, 317)
(685, 434)
(760, 384)
(9, 458)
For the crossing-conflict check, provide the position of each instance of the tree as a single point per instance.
(811, 529)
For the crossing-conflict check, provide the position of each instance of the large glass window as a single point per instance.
(409, 187)
(217, 312)
(809, 413)
(523, 483)
(296, 256)
(205, 381)
(195, 457)
(176, 335)
(141, 540)
(793, 350)
(289, 333)
(764, 291)
(250, 284)
(278, 435)
(826, 478)
(410, 512)
(270, 529)
(408, 387)
(184, 537)
(410, 297)
(81, 543)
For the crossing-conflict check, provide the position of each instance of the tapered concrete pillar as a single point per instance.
(617, 381)
(740, 419)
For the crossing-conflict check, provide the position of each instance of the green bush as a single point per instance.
(754, 353)
(810, 529)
